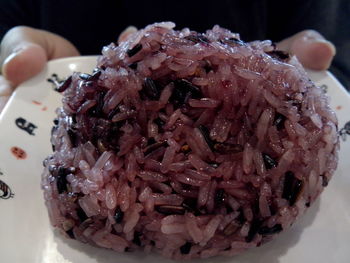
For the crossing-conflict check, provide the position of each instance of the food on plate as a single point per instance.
(188, 144)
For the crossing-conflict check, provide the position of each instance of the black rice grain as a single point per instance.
(205, 132)
(70, 233)
(132, 52)
(227, 148)
(279, 121)
(254, 228)
(269, 161)
(185, 249)
(137, 240)
(64, 85)
(154, 147)
(150, 88)
(81, 214)
(270, 231)
(279, 54)
(219, 196)
(62, 180)
(292, 188)
(170, 209)
(197, 38)
(119, 215)
(324, 180)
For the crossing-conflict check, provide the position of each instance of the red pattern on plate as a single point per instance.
(36, 102)
(19, 153)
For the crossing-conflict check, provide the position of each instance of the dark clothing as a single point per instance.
(91, 24)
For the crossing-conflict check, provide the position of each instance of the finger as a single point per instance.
(311, 48)
(25, 50)
(126, 33)
(24, 63)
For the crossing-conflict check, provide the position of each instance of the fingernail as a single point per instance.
(330, 45)
(324, 53)
(16, 51)
(315, 37)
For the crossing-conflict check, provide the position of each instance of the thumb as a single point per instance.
(311, 48)
(25, 51)
(25, 61)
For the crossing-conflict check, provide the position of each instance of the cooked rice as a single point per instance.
(188, 144)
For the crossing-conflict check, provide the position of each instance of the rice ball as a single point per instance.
(188, 144)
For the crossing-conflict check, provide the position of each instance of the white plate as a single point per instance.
(322, 235)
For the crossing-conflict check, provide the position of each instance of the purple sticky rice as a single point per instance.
(188, 144)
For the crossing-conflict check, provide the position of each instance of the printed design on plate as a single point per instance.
(55, 80)
(25, 125)
(39, 104)
(339, 107)
(5, 190)
(19, 153)
(345, 131)
(324, 88)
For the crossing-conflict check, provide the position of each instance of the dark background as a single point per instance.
(92, 24)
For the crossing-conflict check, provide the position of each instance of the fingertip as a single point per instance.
(321, 54)
(314, 53)
(318, 55)
(23, 64)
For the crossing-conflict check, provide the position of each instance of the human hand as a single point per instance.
(24, 53)
(311, 48)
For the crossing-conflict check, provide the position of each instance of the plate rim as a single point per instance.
(56, 62)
